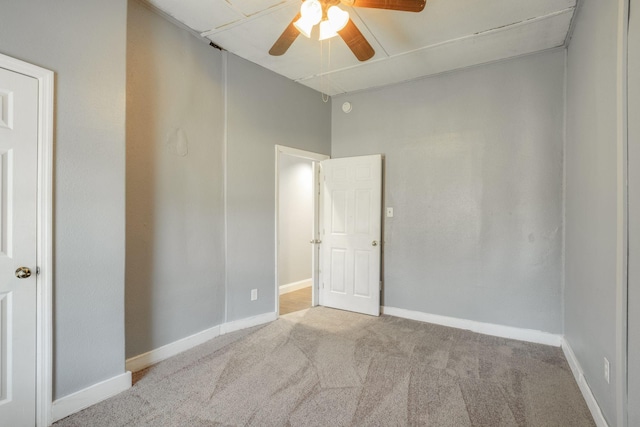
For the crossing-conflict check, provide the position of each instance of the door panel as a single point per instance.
(361, 275)
(18, 180)
(338, 212)
(338, 270)
(363, 212)
(351, 217)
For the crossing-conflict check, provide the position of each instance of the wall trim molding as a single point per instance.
(522, 334)
(91, 395)
(578, 373)
(144, 360)
(295, 286)
(248, 322)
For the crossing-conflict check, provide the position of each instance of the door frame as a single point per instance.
(44, 233)
(316, 158)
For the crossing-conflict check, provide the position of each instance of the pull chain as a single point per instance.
(324, 83)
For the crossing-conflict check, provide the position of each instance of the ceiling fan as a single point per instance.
(335, 21)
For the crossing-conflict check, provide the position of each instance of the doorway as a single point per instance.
(339, 201)
(296, 228)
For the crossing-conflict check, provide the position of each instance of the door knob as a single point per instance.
(23, 273)
(374, 243)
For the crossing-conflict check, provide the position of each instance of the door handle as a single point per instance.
(316, 241)
(23, 273)
(374, 243)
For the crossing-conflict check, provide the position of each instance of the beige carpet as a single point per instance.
(323, 367)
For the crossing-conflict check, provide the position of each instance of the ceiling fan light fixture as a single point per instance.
(304, 26)
(337, 17)
(326, 30)
(311, 10)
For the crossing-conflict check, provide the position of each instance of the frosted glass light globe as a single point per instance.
(311, 10)
(337, 17)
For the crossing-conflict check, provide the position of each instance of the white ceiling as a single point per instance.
(446, 35)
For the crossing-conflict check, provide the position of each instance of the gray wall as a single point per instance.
(591, 201)
(634, 214)
(295, 221)
(264, 110)
(474, 174)
(175, 177)
(83, 42)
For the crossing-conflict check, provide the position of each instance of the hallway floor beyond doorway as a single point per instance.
(295, 301)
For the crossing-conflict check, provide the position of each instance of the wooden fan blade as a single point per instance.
(356, 41)
(404, 5)
(286, 39)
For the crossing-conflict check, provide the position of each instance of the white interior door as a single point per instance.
(18, 191)
(351, 223)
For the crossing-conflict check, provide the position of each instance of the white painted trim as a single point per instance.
(521, 334)
(44, 237)
(152, 357)
(578, 373)
(296, 152)
(96, 393)
(317, 226)
(249, 322)
(295, 286)
(315, 158)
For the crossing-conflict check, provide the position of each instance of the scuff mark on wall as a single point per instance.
(177, 142)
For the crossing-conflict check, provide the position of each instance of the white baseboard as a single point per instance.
(136, 363)
(152, 357)
(82, 399)
(295, 286)
(249, 322)
(578, 373)
(529, 335)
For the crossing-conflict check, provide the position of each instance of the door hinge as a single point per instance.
(381, 286)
